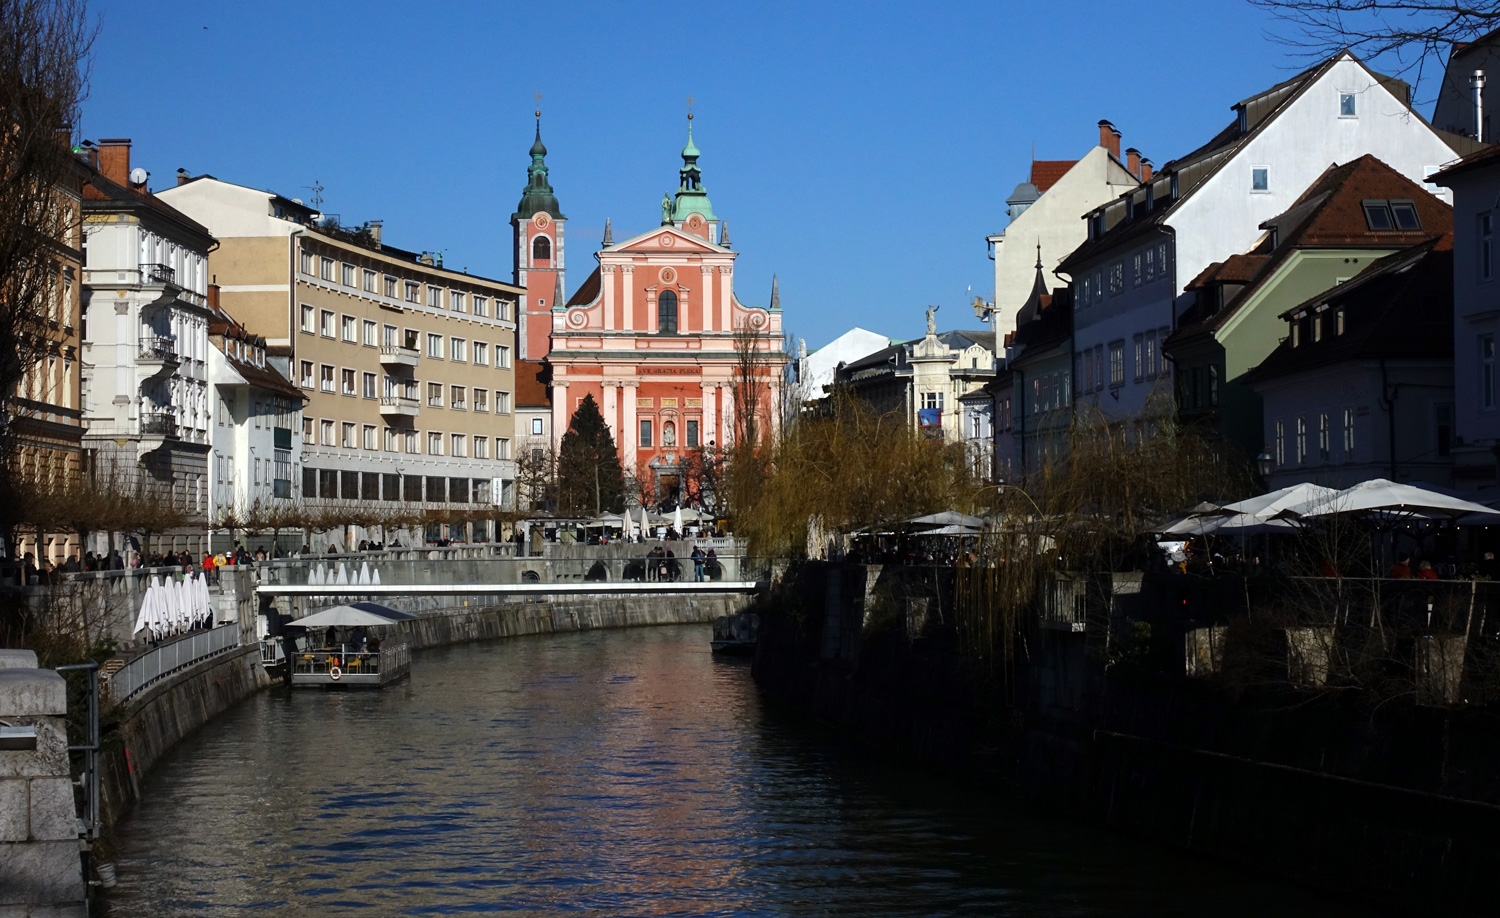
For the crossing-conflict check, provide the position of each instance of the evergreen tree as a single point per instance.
(589, 477)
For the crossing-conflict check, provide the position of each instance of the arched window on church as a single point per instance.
(541, 249)
(666, 313)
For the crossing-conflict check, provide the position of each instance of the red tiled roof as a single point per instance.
(1046, 172)
(531, 391)
(589, 292)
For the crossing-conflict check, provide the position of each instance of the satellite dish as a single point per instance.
(138, 176)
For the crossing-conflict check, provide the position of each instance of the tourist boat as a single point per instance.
(735, 635)
(335, 662)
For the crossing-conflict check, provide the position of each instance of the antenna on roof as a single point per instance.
(317, 194)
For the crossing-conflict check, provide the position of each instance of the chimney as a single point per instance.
(182, 177)
(213, 296)
(1476, 83)
(375, 227)
(1109, 138)
(1147, 170)
(1133, 162)
(114, 159)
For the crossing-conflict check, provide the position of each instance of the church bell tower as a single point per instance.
(537, 227)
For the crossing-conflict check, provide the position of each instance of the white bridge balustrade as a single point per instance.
(158, 663)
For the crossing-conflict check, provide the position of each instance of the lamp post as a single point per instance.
(1264, 464)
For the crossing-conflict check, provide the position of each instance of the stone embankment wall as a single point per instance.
(40, 871)
(160, 717)
(1398, 807)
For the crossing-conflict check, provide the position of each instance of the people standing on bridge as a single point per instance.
(209, 574)
(668, 565)
(653, 563)
(698, 558)
(712, 562)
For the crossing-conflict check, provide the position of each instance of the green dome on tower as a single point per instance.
(537, 197)
(692, 197)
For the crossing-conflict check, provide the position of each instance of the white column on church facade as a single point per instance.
(726, 317)
(611, 408)
(627, 428)
(710, 392)
(726, 438)
(706, 300)
(607, 275)
(627, 299)
(560, 413)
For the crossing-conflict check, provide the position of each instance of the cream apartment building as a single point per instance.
(407, 366)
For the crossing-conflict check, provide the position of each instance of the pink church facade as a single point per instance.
(655, 334)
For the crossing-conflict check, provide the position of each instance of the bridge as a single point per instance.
(667, 588)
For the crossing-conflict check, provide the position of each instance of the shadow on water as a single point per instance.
(608, 773)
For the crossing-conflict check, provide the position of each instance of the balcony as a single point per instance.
(159, 275)
(394, 355)
(400, 406)
(158, 353)
(157, 427)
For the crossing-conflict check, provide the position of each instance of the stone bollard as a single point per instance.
(40, 870)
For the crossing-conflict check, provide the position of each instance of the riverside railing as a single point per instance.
(155, 665)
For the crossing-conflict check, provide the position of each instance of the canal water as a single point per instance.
(608, 773)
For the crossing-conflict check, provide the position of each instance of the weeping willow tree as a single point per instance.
(850, 468)
(1089, 512)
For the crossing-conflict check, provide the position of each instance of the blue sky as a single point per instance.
(860, 151)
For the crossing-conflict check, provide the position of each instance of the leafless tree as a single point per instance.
(44, 56)
(1413, 34)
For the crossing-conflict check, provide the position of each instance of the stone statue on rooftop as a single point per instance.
(932, 319)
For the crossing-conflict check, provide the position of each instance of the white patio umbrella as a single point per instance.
(364, 573)
(677, 520)
(1269, 504)
(342, 617)
(645, 524)
(1380, 496)
(206, 599)
(143, 618)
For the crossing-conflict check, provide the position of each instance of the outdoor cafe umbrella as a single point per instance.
(1269, 504)
(342, 617)
(947, 518)
(1380, 497)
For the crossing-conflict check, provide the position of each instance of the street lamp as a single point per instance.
(1265, 464)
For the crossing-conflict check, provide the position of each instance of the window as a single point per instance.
(325, 378)
(692, 433)
(541, 249)
(1301, 440)
(1151, 355)
(347, 328)
(1317, 328)
(502, 448)
(645, 432)
(370, 330)
(1324, 435)
(1099, 367)
(456, 301)
(1161, 254)
(1260, 179)
(348, 275)
(1296, 331)
(502, 356)
(1150, 265)
(435, 297)
(481, 305)
(1405, 213)
(346, 381)
(502, 402)
(307, 430)
(1088, 287)
(390, 440)
(536, 427)
(1486, 253)
(413, 445)
(458, 350)
(388, 335)
(1378, 216)
(460, 401)
(1487, 372)
(307, 263)
(325, 269)
(460, 446)
(368, 390)
(435, 346)
(1117, 363)
(1139, 269)
(326, 323)
(307, 374)
(369, 281)
(481, 354)
(1213, 386)
(389, 286)
(666, 313)
(368, 440)
(1347, 105)
(308, 320)
(481, 447)
(932, 400)
(1348, 434)
(1338, 321)
(413, 291)
(434, 395)
(434, 444)
(481, 400)
(327, 432)
(1116, 278)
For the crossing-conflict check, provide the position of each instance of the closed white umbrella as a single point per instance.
(206, 600)
(364, 573)
(677, 520)
(343, 575)
(143, 618)
(375, 576)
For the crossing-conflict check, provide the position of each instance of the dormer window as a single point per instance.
(1389, 216)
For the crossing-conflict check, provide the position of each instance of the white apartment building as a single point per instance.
(145, 350)
(407, 366)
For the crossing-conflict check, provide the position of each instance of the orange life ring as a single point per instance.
(335, 673)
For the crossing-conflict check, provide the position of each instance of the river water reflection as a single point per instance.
(606, 773)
